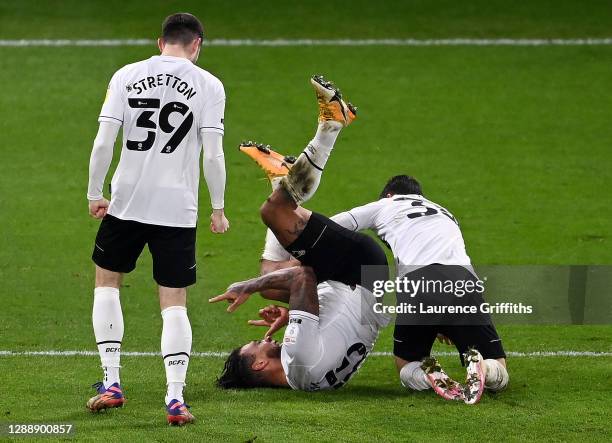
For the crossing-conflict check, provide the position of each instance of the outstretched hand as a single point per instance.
(236, 294)
(274, 317)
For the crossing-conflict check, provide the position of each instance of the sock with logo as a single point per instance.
(496, 378)
(413, 377)
(176, 348)
(305, 175)
(107, 320)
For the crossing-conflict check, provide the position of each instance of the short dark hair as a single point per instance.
(401, 184)
(238, 374)
(182, 28)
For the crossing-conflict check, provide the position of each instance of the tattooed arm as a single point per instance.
(238, 293)
(299, 281)
(268, 266)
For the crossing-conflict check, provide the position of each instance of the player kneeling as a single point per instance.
(428, 246)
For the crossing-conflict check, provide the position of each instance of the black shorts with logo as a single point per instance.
(413, 340)
(119, 243)
(336, 253)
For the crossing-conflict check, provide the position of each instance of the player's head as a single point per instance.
(185, 31)
(254, 365)
(401, 185)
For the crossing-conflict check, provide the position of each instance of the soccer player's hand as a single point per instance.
(236, 294)
(98, 208)
(274, 317)
(218, 222)
(444, 339)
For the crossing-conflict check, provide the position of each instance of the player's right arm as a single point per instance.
(111, 119)
(211, 128)
(282, 279)
(359, 218)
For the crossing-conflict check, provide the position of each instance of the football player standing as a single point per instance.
(169, 110)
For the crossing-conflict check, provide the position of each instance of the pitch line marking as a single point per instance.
(324, 42)
(219, 354)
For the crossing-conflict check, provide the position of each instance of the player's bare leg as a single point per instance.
(305, 175)
(107, 320)
(176, 349)
(295, 181)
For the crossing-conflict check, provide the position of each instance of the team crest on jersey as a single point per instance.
(291, 334)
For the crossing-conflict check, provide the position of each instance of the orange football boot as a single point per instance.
(331, 105)
(275, 165)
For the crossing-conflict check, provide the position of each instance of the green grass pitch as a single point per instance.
(515, 141)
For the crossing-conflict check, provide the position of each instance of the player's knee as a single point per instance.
(267, 212)
(413, 377)
(496, 375)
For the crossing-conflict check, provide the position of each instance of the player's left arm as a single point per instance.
(359, 218)
(99, 162)
(111, 119)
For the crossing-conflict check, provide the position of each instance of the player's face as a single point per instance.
(265, 349)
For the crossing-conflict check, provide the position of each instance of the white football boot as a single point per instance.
(475, 381)
(441, 383)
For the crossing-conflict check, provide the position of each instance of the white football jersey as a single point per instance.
(418, 231)
(324, 352)
(163, 103)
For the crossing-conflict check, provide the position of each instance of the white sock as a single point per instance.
(413, 377)
(107, 320)
(320, 147)
(496, 378)
(304, 177)
(176, 348)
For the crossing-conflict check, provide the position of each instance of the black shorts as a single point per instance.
(414, 336)
(336, 253)
(119, 243)
(413, 342)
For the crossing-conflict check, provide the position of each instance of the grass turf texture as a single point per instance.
(514, 141)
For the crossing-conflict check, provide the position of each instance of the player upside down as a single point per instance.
(422, 235)
(327, 338)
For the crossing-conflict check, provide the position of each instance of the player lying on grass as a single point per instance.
(427, 243)
(332, 328)
(325, 341)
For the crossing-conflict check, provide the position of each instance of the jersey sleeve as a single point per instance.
(302, 348)
(359, 218)
(112, 109)
(273, 250)
(212, 119)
